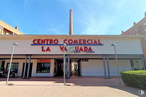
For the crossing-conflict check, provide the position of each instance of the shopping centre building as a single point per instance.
(88, 55)
(85, 55)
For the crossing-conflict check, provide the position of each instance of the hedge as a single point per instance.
(134, 78)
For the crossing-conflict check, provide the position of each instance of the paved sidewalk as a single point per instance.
(77, 87)
(77, 81)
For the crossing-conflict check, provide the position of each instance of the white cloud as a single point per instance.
(55, 29)
(96, 25)
(95, 21)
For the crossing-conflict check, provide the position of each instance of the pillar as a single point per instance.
(142, 59)
(65, 65)
(68, 66)
(132, 65)
(24, 67)
(28, 67)
(79, 68)
(104, 66)
(108, 69)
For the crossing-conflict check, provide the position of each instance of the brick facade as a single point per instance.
(137, 28)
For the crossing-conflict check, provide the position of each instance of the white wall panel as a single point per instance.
(24, 47)
(95, 67)
(92, 68)
(123, 65)
(122, 47)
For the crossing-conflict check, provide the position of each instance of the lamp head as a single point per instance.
(16, 44)
(113, 44)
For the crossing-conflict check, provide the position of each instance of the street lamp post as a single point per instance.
(14, 44)
(64, 60)
(116, 62)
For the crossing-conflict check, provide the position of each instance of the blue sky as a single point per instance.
(90, 17)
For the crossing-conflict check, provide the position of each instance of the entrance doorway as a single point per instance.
(30, 69)
(59, 68)
(74, 69)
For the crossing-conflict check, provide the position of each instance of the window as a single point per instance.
(144, 24)
(14, 67)
(135, 29)
(43, 68)
(145, 30)
(130, 34)
(138, 65)
(133, 32)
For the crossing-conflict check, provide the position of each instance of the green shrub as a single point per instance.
(134, 78)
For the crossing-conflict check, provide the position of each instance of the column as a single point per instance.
(68, 66)
(108, 67)
(142, 59)
(28, 67)
(104, 66)
(24, 67)
(65, 65)
(79, 68)
(131, 62)
(56, 67)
